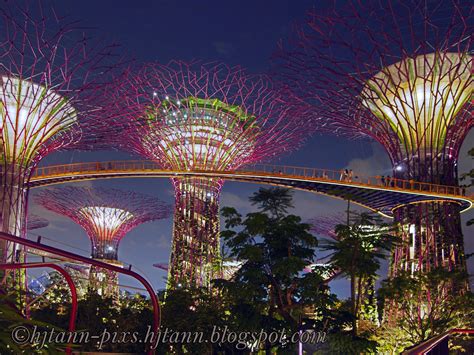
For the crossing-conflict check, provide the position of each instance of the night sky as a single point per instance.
(239, 33)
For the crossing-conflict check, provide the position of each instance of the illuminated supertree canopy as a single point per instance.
(326, 225)
(51, 80)
(205, 117)
(399, 72)
(106, 215)
(36, 222)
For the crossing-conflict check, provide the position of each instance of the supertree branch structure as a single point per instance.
(51, 78)
(326, 225)
(36, 222)
(399, 72)
(106, 215)
(200, 116)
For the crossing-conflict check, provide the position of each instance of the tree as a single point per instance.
(442, 310)
(10, 318)
(275, 200)
(270, 291)
(94, 314)
(131, 313)
(135, 315)
(360, 246)
(196, 311)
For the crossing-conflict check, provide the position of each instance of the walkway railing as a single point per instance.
(259, 169)
(337, 175)
(82, 259)
(437, 344)
(69, 281)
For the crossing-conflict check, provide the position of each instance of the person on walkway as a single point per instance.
(343, 176)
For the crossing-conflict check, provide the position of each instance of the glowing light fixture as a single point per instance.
(106, 221)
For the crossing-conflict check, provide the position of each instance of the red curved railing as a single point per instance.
(72, 256)
(437, 344)
(70, 282)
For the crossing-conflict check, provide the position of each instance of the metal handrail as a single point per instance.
(267, 169)
(67, 277)
(83, 259)
(436, 342)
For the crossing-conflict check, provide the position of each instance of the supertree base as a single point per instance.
(104, 281)
(12, 211)
(12, 218)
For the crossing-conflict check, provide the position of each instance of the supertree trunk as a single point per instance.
(431, 237)
(431, 231)
(12, 219)
(195, 251)
(104, 281)
(104, 249)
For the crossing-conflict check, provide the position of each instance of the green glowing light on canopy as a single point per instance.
(213, 104)
(192, 103)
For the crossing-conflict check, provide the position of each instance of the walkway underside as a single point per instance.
(370, 192)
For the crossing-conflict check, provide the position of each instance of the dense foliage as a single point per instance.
(274, 286)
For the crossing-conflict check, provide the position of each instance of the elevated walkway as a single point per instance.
(369, 192)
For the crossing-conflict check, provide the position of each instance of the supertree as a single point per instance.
(205, 116)
(400, 73)
(36, 222)
(106, 215)
(51, 78)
